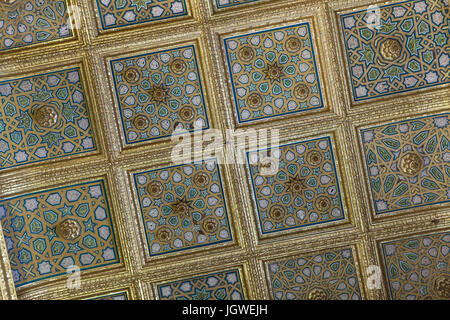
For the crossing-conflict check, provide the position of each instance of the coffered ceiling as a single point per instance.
(91, 93)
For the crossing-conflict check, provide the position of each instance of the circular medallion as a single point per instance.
(182, 208)
(164, 234)
(296, 185)
(201, 179)
(410, 163)
(317, 294)
(255, 100)
(69, 229)
(159, 94)
(178, 66)
(442, 287)
(293, 44)
(323, 203)
(210, 225)
(46, 116)
(268, 166)
(301, 91)
(314, 158)
(155, 188)
(390, 49)
(277, 212)
(274, 72)
(187, 113)
(141, 122)
(132, 75)
(246, 54)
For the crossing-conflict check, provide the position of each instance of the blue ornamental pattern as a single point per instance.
(417, 268)
(38, 247)
(120, 13)
(159, 94)
(273, 72)
(408, 51)
(25, 23)
(183, 207)
(26, 137)
(304, 191)
(224, 285)
(408, 163)
(326, 275)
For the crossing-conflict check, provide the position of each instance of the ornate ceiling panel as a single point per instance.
(96, 98)
(417, 267)
(265, 72)
(327, 275)
(305, 191)
(26, 23)
(159, 93)
(121, 13)
(45, 116)
(408, 51)
(225, 285)
(183, 207)
(407, 163)
(46, 232)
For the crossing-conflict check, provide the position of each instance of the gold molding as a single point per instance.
(7, 288)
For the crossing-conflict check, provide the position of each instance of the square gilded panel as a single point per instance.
(119, 13)
(43, 117)
(183, 207)
(159, 93)
(25, 23)
(417, 268)
(406, 51)
(273, 72)
(326, 275)
(407, 163)
(224, 285)
(48, 232)
(303, 192)
(220, 4)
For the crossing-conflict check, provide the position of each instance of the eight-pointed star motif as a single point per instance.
(141, 4)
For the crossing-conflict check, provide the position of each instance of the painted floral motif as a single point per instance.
(409, 50)
(44, 117)
(159, 93)
(304, 191)
(225, 285)
(183, 207)
(37, 249)
(417, 268)
(327, 275)
(119, 13)
(24, 23)
(273, 72)
(408, 163)
(230, 3)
